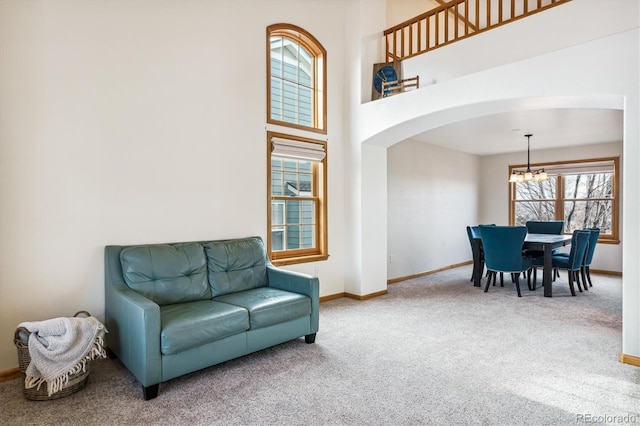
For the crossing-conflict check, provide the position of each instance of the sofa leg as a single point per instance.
(150, 392)
(310, 338)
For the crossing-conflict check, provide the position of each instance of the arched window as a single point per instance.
(296, 87)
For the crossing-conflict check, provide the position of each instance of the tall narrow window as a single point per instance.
(297, 205)
(296, 66)
(297, 166)
(584, 194)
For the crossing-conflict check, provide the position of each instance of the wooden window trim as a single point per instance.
(614, 237)
(320, 252)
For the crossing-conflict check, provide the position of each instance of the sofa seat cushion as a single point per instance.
(167, 273)
(268, 306)
(189, 325)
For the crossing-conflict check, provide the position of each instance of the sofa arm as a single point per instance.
(134, 325)
(298, 283)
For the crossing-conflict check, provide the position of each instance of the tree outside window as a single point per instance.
(588, 202)
(583, 194)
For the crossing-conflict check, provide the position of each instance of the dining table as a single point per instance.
(544, 243)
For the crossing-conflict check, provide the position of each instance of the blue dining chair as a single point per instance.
(473, 232)
(571, 263)
(503, 253)
(545, 226)
(588, 257)
(478, 256)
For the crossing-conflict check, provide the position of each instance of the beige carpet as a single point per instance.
(435, 350)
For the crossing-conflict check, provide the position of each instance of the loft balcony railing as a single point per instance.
(456, 20)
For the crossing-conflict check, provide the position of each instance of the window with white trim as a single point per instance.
(584, 194)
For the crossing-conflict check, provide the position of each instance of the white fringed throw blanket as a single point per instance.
(61, 347)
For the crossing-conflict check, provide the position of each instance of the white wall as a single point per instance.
(433, 194)
(555, 80)
(494, 192)
(402, 10)
(365, 270)
(541, 33)
(139, 122)
(374, 199)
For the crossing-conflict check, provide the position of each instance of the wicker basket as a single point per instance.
(39, 393)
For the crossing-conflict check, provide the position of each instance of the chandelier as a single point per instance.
(528, 175)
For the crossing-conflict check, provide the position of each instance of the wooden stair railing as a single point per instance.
(456, 20)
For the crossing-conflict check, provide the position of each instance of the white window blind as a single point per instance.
(298, 150)
(580, 168)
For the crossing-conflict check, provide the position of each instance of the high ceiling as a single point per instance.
(551, 128)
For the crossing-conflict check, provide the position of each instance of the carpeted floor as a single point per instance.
(435, 350)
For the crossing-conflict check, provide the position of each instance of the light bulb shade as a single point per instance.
(528, 175)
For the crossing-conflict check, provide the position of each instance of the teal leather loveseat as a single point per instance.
(175, 308)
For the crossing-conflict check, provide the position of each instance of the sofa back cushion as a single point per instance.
(167, 273)
(236, 265)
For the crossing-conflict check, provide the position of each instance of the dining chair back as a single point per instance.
(593, 240)
(502, 247)
(579, 244)
(473, 232)
(588, 257)
(476, 251)
(545, 226)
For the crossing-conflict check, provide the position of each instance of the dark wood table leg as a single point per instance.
(547, 270)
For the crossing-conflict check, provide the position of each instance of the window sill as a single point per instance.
(300, 259)
(608, 241)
